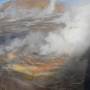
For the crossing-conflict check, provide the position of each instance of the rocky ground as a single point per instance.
(21, 64)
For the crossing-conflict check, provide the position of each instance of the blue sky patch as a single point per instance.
(3, 1)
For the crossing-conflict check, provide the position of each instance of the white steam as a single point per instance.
(74, 38)
(51, 6)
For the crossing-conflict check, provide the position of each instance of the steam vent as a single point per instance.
(43, 45)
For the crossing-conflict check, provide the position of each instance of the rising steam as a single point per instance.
(72, 39)
(51, 6)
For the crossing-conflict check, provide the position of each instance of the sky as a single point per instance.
(2, 1)
(70, 1)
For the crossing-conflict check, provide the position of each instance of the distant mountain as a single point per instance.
(18, 9)
(30, 4)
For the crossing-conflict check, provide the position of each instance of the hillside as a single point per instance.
(30, 4)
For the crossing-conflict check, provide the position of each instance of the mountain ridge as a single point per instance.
(30, 4)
